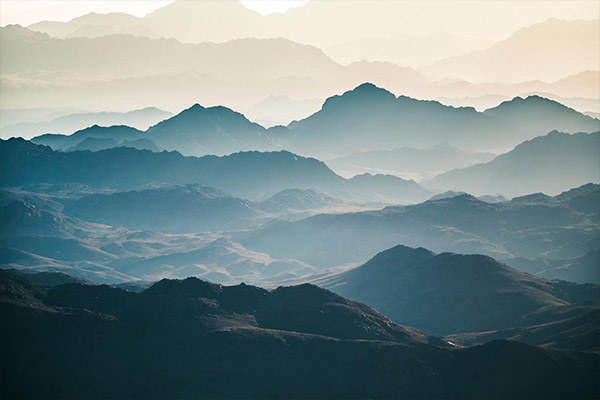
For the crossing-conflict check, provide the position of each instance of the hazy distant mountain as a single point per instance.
(124, 71)
(121, 56)
(220, 261)
(404, 49)
(548, 227)
(191, 208)
(94, 25)
(215, 130)
(549, 164)
(581, 269)
(238, 340)
(409, 161)
(436, 292)
(566, 327)
(297, 200)
(390, 187)
(68, 124)
(281, 110)
(547, 51)
(371, 118)
(578, 91)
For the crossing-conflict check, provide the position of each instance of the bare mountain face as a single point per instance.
(236, 341)
(452, 293)
(550, 164)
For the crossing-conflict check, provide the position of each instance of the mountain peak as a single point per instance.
(365, 92)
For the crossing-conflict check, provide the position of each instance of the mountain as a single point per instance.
(391, 188)
(191, 208)
(297, 200)
(543, 51)
(449, 293)
(549, 164)
(117, 133)
(214, 130)
(68, 124)
(93, 25)
(49, 279)
(243, 341)
(530, 227)
(121, 56)
(581, 269)
(97, 144)
(251, 175)
(572, 327)
(281, 110)
(221, 261)
(370, 118)
(409, 161)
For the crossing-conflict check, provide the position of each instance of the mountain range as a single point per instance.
(371, 118)
(68, 124)
(550, 164)
(407, 161)
(197, 336)
(116, 68)
(251, 175)
(452, 293)
(543, 51)
(366, 118)
(534, 226)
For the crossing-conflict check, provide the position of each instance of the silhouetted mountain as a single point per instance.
(215, 130)
(243, 341)
(68, 124)
(463, 224)
(448, 293)
(191, 208)
(372, 118)
(549, 164)
(407, 160)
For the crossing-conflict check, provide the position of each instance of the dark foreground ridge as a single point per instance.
(192, 339)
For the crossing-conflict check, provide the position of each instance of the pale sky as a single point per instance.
(26, 12)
